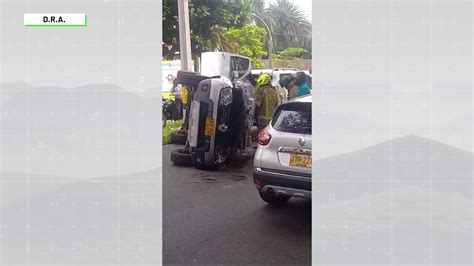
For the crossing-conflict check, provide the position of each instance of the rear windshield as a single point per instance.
(293, 119)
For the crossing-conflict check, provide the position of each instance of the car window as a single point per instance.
(239, 64)
(293, 120)
(282, 75)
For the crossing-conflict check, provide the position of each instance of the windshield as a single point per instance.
(293, 119)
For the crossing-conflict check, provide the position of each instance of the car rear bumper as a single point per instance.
(291, 184)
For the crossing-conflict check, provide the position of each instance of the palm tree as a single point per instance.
(289, 25)
(257, 7)
(219, 42)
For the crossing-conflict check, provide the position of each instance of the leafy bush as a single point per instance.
(247, 41)
(170, 127)
(295, 52)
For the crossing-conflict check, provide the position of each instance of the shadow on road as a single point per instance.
(294, 216)
(218, 217)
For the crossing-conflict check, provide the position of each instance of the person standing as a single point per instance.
(266, 100)
(289, 83)
(302, 83)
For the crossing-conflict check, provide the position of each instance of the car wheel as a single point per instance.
(178, 137)
(181, 158)
(273, 199)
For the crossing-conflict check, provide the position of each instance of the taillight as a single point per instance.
(264, 137)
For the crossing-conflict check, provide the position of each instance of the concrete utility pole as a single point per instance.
(184, 35)
(270, 40)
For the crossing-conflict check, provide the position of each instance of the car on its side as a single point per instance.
(283, 160)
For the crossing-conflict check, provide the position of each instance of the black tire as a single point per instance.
(273, 199)
(189, 78)
(178, 137)
(179, 157)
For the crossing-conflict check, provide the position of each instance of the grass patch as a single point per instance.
(170, 127)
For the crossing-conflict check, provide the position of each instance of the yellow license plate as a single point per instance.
(209, 129)
(300, 160)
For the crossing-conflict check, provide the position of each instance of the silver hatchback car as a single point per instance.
(282, 162)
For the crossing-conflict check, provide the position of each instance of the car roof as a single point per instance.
(285, 71)
(298, 102)
(308, 98)
(260, 70)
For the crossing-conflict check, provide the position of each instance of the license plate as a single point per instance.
(300, 160)
(209, 128)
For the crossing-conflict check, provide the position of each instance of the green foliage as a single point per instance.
(205, 15)
(295, 52)
(210, 18)
(294, 62)
(170, 28)
(258, 7)
(247, 41)
(289, 25)
(170, 127)
(280, 61)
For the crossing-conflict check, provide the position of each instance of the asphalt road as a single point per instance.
(217, 217)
